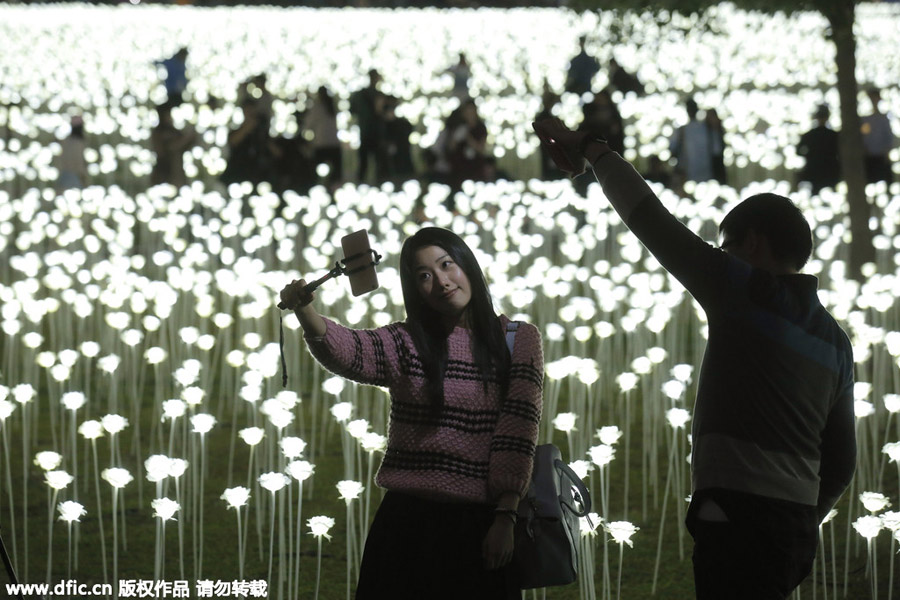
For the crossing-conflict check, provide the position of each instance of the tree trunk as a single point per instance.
(841, 16)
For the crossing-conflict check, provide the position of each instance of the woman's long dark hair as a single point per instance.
(426, 326)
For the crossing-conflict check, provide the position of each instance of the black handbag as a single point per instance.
(547, 529)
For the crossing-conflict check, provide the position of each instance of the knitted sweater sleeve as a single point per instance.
(366, 356)
(512, 446)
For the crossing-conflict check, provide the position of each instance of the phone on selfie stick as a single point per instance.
(358, 265)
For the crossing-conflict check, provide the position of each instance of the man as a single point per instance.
(582, 69)
(819, 146)
(693, 145)
(367, 105)
(878, 140)
(773, 428)
(176, 76)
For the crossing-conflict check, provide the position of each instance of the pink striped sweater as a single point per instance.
(476, 447)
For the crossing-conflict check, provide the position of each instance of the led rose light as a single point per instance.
(892, 402)
(202, 423)
(373, 442)
(609, 434)
(602, 454)
(252, 435)
(117, 477)
(23, 393)
(174, 408)
(349, 490)
(6, 409)
(70, 511)
(48, 460)
(58, 480)
(621, 531)
(565, 422)
(342, 411)
(581, 468)
(273, 481)
(874, 501)
(237, 497)
(627, 381)
(588, 524)
(164, 508)
(73, 400)
(358, 428)
(157, 467)
(193, 395)
(292, 447)
(677, 417)
(113, 423)
(333, 386)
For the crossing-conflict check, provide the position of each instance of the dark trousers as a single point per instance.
(764, 550)
(371, 146)
(878, 168)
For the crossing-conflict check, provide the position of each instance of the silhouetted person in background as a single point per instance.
(467, 146)
(878, 140)
(398, 152)
(249, 151)
(321, 120)
(256, 90)
(293, 165)
(71, 163)
(717, 132)
(582, 69)
(602, 114)
(461, 73)
(694, 146)
(367, 105)
(622, 80)
(176, 76)
(657, 171)
(549, 170)
(819, 146)
(169, 143)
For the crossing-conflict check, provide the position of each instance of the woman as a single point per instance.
(464, 422)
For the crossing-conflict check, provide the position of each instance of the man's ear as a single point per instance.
(753, 242)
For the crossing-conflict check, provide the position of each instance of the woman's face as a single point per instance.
(441, 282)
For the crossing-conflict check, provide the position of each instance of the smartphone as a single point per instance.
(359, 262)
(565, 162)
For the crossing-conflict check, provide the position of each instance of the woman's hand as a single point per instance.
(498, 545)
(294, 296)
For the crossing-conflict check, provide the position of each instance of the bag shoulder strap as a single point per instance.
(511, 328)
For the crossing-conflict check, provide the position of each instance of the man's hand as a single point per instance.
(563, 145)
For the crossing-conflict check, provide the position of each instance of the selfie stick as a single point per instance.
(362, 277)
(339, 270)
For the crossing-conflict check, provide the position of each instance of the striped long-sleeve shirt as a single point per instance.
(774, 410)
(478, 445)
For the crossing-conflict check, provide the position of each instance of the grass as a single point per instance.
(220, 535)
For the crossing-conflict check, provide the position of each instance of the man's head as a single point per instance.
(767, 231)
(692, 108)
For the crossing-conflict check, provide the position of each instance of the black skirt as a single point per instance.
(418, 549)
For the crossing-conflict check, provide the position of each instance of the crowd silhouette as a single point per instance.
(379, 146)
